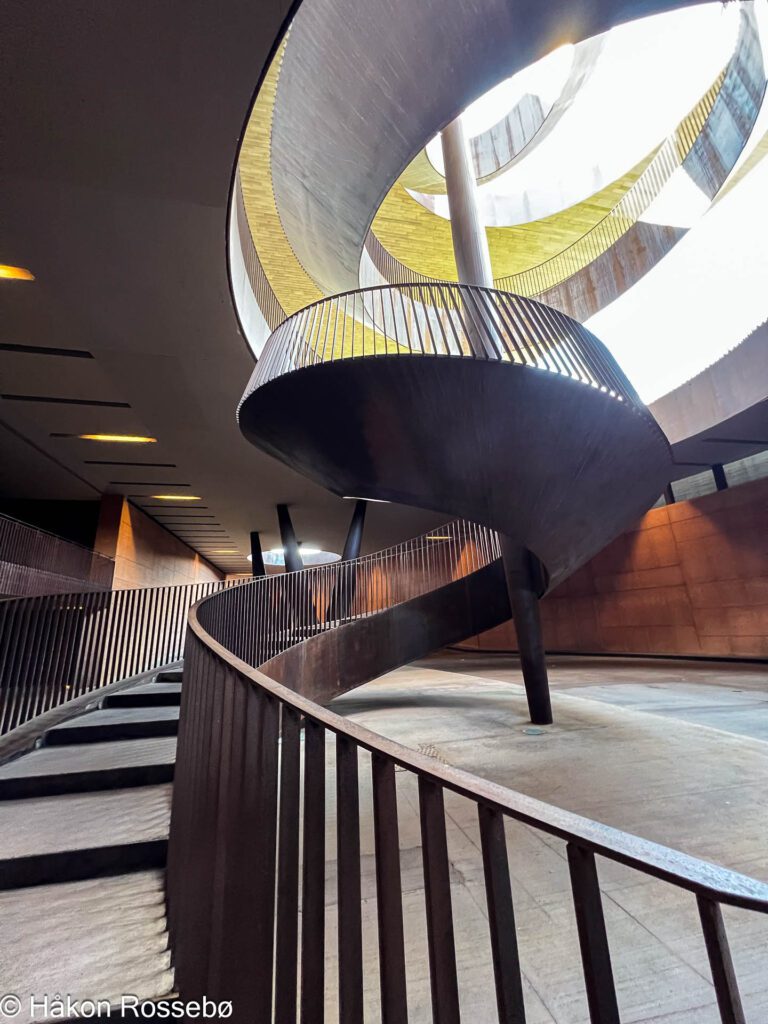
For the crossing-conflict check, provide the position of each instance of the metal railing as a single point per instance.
(33, 548)
(248, 889)
(61, 646)
(441, 320)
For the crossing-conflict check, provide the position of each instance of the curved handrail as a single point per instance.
(443, 320)
(235, 831)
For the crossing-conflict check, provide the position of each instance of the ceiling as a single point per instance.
(120, 129)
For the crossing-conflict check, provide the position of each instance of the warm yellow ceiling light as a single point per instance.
(118, 438)
(16, 273)
(224, 551)
(175, 497)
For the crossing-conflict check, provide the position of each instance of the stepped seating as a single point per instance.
(84, 821)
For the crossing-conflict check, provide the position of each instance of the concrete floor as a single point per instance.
(627, 749)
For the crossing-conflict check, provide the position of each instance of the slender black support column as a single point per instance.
(343, 596)
(669, 495)
(719, 474)
(524, 585)
(355, 533)
(257, 558)
(293, 562)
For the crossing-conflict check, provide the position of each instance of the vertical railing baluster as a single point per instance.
(593, 939)
(720, 962)
(501, 917)
(287, 935)
(350, 935)
(389, 898)
(437, 885)
(313, 877)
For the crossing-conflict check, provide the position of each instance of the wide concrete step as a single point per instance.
(124, 723)
(83, 835)
(168, 675)
(96, 939)
(50, 771)
(147, 695)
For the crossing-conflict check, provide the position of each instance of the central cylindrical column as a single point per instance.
(470, 243)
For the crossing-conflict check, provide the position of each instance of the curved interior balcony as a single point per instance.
(375, 393)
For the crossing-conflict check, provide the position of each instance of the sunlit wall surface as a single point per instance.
(648, 76)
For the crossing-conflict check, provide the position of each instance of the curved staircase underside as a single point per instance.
(556, 464)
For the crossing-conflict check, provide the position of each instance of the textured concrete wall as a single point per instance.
(691, 578)
(145, 554)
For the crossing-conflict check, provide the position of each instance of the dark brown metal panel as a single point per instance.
(245, 944)
(389, 899)
(349, 892)
(313, 877)
(286, 952)
(501, 917)
(720, 962)
(437, 895)
(593, 940)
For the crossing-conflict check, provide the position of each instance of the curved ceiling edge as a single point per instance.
(351, 111)
(735, 383)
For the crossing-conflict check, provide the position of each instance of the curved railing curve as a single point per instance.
(445, 320)
(249, 897)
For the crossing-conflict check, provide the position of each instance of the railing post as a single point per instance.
(501, 917)
(720, 962)
(595, 954)
(437, 888)
(389, 895)
(313, 878)
(350, 936)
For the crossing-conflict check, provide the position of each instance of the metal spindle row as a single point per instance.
(32, 548)
(61, 646)
(441, 320)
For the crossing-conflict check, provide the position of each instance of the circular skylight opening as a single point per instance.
(309, 556)
(544, 79)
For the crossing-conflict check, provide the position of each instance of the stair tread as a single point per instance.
(89, 757)
(80, 821)
(150, 689)
(98, 939)
(119, 716)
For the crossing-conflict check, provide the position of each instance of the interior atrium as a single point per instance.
(384, 511)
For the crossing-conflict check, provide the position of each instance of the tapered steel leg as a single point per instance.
(523, 587)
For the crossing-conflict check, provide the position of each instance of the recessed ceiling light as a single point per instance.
(175, 497)
(118, 438)
(224, 551)
(16, 273)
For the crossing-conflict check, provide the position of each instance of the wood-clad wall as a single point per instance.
(691, 578)
(145, 554)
